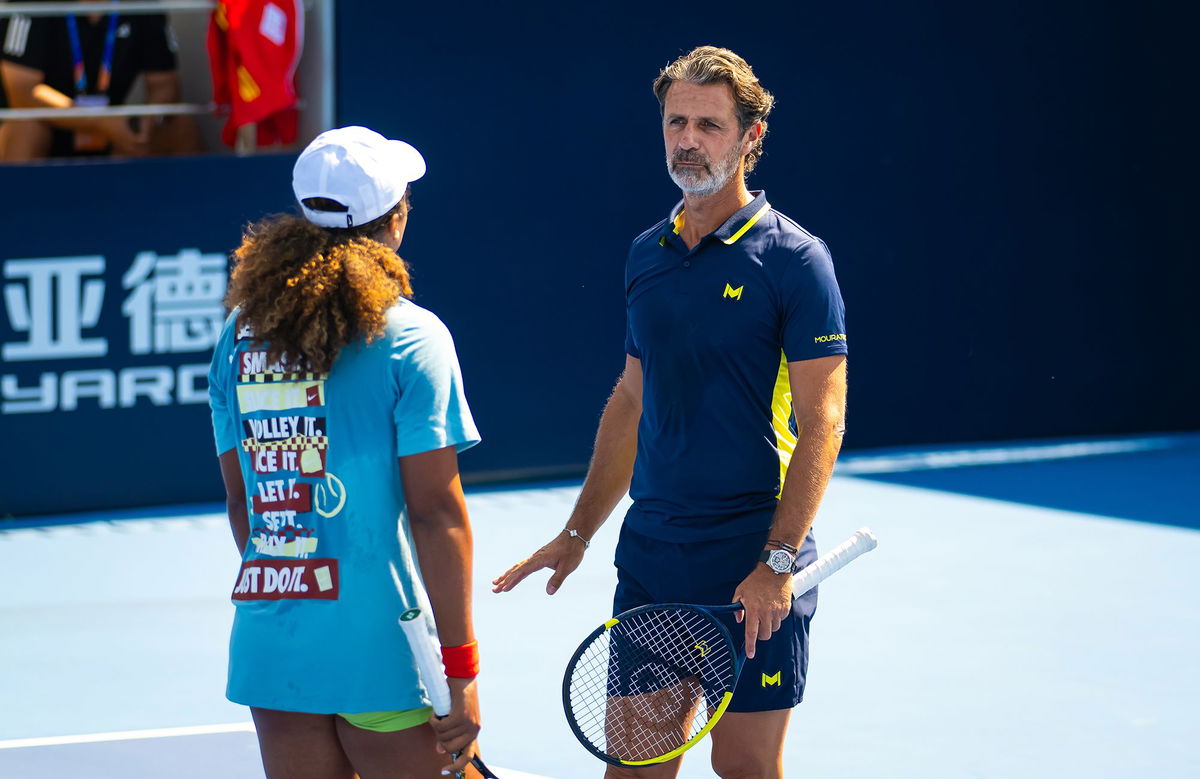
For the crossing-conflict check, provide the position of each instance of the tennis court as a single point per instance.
(1031, 611)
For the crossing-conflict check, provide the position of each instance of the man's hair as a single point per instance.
(712, 65)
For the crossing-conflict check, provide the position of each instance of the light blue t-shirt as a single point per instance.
(315, 628)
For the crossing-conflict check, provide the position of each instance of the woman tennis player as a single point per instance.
(338, 411)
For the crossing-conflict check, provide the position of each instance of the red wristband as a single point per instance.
(462, 662)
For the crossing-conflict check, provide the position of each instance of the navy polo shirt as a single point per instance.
(714, 329)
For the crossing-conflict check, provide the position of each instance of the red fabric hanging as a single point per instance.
(253, 49)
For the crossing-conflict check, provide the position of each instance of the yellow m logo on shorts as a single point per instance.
(771, 680)
(730, 292)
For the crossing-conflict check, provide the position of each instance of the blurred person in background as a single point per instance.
(339, 411)
(91, 60)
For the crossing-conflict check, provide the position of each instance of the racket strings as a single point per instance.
(651, 683)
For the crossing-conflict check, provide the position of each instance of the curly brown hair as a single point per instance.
(308, 291)
(713, 65)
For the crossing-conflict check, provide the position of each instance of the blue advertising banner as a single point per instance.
(111, 307)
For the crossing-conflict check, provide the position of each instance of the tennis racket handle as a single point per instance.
(429, 661)
(834, 560)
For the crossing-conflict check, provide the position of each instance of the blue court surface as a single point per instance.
(1033, 610)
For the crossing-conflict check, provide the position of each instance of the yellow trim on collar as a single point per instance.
(678, 222)
(731, 240)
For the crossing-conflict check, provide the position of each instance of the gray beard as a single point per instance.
(693, 182)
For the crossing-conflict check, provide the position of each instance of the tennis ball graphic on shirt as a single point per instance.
(330, 496)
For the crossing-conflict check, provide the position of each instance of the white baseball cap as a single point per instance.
(358, 168)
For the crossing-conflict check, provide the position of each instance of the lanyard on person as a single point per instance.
(81, 81)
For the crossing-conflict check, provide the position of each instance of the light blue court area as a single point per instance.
(1033, 610)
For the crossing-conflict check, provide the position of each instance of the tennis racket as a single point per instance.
(429, 665)
(650, 683)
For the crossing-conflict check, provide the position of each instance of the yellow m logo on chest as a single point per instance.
(730, 292)
(771, 680)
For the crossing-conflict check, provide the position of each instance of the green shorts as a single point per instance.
(389, 721)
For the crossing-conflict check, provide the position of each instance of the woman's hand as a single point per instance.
(457, 731)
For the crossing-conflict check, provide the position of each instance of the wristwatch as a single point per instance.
(779, 560)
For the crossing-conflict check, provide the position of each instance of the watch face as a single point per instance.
(779, 561)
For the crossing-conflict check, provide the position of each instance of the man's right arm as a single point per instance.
(608, 478)
(26, 88)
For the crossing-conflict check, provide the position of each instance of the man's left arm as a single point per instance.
(159, 63)
(170, 134)
(819, 402)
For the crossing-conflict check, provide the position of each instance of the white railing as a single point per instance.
(120, 6)
(131, 109)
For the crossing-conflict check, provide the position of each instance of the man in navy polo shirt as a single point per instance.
(735, 378)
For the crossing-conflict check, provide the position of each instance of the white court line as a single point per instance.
(196, 730)
(926, 461)
(128, 735)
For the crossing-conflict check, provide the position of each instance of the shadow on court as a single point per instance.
(1161, 486)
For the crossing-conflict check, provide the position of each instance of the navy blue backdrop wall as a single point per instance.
(1002, 190)
(1005, 191)
(113, 275)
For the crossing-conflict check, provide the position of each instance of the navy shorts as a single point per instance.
(706, 573)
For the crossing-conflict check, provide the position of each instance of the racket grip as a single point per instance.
(834, 560)
(429, 660)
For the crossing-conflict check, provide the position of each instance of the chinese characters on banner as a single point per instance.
(172, 304)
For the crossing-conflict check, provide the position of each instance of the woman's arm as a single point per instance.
(437, 513)
(235, 498)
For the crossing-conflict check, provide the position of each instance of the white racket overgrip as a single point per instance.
(833, 561)
(429, 660)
